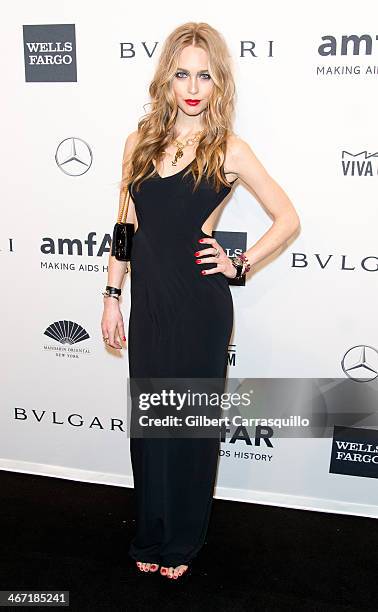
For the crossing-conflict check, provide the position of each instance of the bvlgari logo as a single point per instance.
(360, 363)
(248, 48)
(332, 261)
(74, 156)
(65, 334)
(359, 164)
(50, 53)
(35, 416)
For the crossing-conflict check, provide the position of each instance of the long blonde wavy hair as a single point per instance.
(156, 128)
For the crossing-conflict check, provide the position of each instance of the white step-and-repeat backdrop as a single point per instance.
(75, 82)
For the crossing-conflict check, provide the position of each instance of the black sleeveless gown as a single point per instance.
(180, 326)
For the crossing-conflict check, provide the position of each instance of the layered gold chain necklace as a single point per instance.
(180, 146)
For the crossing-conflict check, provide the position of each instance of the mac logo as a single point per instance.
(359, 164)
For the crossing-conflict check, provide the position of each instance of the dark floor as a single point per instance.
(64, 535)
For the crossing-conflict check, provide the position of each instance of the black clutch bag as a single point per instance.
(123, 233)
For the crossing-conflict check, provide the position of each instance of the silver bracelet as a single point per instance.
(108, 295)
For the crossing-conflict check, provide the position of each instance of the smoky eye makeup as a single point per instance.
(185, 73)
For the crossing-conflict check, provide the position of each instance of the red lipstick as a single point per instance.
(192, 102)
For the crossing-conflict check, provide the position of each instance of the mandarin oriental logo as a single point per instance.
(65, 334)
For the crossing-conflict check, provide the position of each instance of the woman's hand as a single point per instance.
(223, 262)
(112, 323)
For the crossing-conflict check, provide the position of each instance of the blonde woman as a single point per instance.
(179, 166)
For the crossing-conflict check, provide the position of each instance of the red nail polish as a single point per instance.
(124, 338)
(197, 253)
(198, 260)
(203, 271)
(200, 240)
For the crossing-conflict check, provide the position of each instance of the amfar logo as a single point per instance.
(74, 246)
(347, 45)
(73, 156)
(233, 243)
(241, 439)
(359, 164)
(354, 452)
(361, 360)
(50, 53)
(66, 333)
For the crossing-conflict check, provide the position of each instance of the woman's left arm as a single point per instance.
(242, 161)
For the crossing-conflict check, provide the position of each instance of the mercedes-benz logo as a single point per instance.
(361, 359)
(74, 156)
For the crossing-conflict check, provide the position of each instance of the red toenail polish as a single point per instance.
(203, 271)
(198, 261)
(196, 253)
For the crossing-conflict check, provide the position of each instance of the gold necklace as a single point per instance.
(180, 145)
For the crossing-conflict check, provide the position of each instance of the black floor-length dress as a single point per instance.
(180, 326)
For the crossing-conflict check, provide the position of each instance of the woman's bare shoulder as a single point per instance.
(234, 142)
(239, 155)
(131, 140)
(130, 143)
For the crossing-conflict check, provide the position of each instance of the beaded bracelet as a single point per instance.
(246, 265)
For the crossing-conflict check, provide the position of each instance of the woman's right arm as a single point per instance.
(112, 321)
